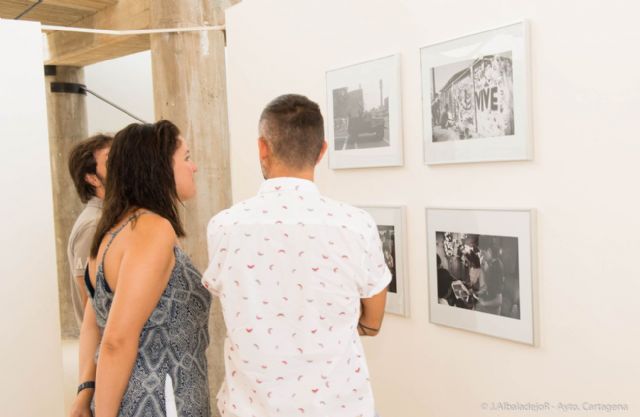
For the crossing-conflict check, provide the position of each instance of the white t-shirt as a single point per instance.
(78, 250)
(290, 267)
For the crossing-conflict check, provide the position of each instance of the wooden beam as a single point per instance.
(88, 5)
(67, 116)
(189, 85)
(53, 12)
(80, 49)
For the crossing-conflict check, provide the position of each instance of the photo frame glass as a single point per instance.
(481, 271)
(475, 97)
(390, 222)
(363, 114)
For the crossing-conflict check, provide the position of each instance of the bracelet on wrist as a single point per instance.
(86, 385)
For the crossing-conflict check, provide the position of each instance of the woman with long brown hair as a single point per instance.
(146, 322)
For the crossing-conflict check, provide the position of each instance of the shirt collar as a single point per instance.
(288, 184)
(95, 202)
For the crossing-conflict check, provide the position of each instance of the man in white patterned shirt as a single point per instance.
(299, 277)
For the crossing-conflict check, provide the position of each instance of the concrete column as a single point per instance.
(190, 90)
(67, 118)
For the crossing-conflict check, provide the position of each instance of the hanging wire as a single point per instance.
(29, 9)
(114, 105)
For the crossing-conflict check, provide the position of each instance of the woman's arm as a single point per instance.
(89, 340)
(143, 275)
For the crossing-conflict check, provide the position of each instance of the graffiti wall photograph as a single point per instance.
(363, 117)
(475, 97)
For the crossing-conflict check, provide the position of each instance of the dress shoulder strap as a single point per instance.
(118, 230)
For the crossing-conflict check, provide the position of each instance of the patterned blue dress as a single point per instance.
(172, 342)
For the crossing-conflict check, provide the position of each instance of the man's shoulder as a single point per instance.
(234, 213)
(355, 217)
(86, 222)
(343, 207)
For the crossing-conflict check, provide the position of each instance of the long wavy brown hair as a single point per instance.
(140, 176)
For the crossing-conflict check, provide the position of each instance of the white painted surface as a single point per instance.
(127, 82)
(582, 181)
(31, 359)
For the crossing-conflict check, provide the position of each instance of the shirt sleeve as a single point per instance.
(211, 278)
(377, 274)
(80, 249)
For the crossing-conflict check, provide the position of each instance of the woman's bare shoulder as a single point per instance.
(152, 227)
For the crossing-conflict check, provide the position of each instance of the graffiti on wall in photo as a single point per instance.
(473, 99)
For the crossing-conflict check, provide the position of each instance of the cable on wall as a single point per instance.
(74, 88)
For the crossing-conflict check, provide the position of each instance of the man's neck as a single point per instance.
(307, 174)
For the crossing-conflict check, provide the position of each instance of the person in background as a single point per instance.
(299, 277)
(88, 170)
(147, 319)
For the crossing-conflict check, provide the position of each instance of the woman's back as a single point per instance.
(174, 337)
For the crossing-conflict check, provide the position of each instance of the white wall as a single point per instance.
(31, 359)
(586, 90)
(124, 81)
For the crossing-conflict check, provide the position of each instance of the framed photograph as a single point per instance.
(390, 221)
(481, 269)
(475, 97)
(363, 114)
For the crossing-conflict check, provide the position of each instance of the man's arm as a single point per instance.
(79, 280)
(373, 292)
(372, 313)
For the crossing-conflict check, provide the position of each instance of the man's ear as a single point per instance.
(93, 180)
(323, 150)
(263, 148)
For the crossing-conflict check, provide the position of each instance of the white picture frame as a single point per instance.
(476, 97)
(391, 227)
(364, 122)
(498, 298)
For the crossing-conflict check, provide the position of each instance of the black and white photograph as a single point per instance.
(475, 97)
(390, 221)
(363, 117)
(388, 239)
(478, 272)
(481, 269)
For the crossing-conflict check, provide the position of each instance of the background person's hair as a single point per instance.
(82, 162)
(294, 127)
(140, 175)
(473, 259)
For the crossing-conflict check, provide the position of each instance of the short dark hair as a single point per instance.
(140, 168)
(473, 259)
(82, 161)
(294, 127)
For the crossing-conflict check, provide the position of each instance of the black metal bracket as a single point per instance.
(50, 70)
(71, 88)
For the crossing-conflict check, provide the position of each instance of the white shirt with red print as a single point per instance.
(290, 267)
